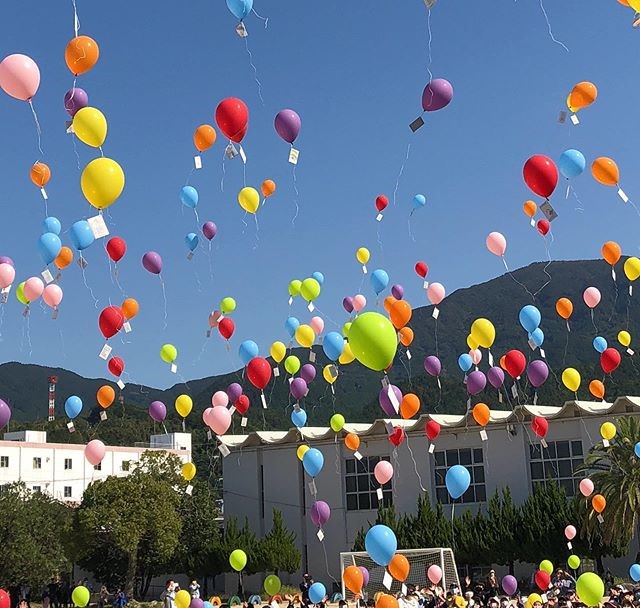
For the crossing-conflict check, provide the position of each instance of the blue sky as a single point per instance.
(354, 71)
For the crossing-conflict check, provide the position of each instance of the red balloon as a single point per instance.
(543, 580)
(381, 202)
(111, 321)
(5, 600)
(116, 366)
(116, 248)
(242, 404)
(539, 426)
(422, 269)
(543, 227)
(515, 362)
(541, 175)
(226, 327)
(259, 372)
(432, 429)
(397, 437)
(232, 117)
(609, 360)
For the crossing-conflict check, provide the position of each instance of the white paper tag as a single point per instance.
(241, 30)
(630, 352)
(197, 161)
(562, 118)
(105, 352)
(209, 435)
(393, 398)
(120, 383)
(623, 196)
(312, 356)
(364, 269)
(605, 443)
(600, 518)
(71, 427)
(54, 314)
(311, 307)
(230, 151)
(243, 421)
(320, 535)
(532, 223)
(490, 357)
(290, 300)
(379, 494)
(103, 415)
(389, 426)
(514, 391)
(630, 290)
(293, 156)
(69, 126)
(296, 407)
(613, 273)
(208, 333)
(384, 381)
(569, 545)
(98, 226)
(543, 442)
(264, 401)
(575, 121)
(429, 3)
(47, 276)
(548, 211)
(127, 327)
(333, 371)
(379, 217)
(224, 450)
(387, 580)
(544, 598)
(357, 455)
(418, 122)
(189, 490)
(312, 487)
(44, 194)
(404, 589)
(6, 289)
(425, 284)
(174, 368)
(243, 156)
(432, 448)
(82, 262)
(276, 371)
(190, 256)
(542, 353)
(290, 380)
(532, 344)
(436, 312)
(408, 354)
(499, 397)
(483, 435)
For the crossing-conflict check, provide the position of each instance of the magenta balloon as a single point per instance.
(385, 402)
(537, 372)
(158, 411)
(432, 365)
(509, 584)
(495, 375)
(308, 373)
(152, 262)
(5, 414)
(209, 229)
(234, 391)
(196, 602)
(298, 388)
(75, 99)
(365, 575)
(436, 95)
(347, 304)
(320, 513)
(476, 381)
(6, 260)
(397, 291)
(288, 123)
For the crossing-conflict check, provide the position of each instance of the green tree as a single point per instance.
(278, 547)
(236, 537)
(504, 530)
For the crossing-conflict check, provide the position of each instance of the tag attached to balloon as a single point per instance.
(44, 194)
(417, 123)
(120, 384)
(174, 368)
(548, 211)
(241, 30)
(384, 382)
(243, 421)
(630, 352)
(563, 117)
(312, 356)
(387, 580)
(432, 448)
(499, 397)
(276, 372)
(232, 409)
(574, 119)
(389, 426)
(605, 443)
(47, 276)
(357, 455)
(600, 519)
(408, 354)
(490, 357)
(224, 450)
(290, 300)
(98, 226)
(105, 352)
(208, 333)
(54, 314)
(425, 285)
(364, 269)
(197, 161)
(379, 494)
(69, 126)
(103, 416)
(127, 327)
(613, 273)
(514, 391)
(243, 156)
(190, 256)
(293, 156)
(483, 435)
(296, 407)
(312, 487)
(333, 371)
(320, 535)
(535, 398)
(188, 490)
(533, 223)
(542, 354)
(630, 290)
(230, 151)
(436, 312)
(379, 217)
(569, 546)
(264, 401)
(429, 4)
(623, 196)
(70, 427)
(532, 344)
(543, 597)
(209, 435)
(311, 307)
(439, 384)
(404, 589)
(82, 262)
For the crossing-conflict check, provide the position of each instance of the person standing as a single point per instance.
(194, 590)
(168, 596)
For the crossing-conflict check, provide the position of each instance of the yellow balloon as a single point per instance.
(277, 351)
(301, 451)
(347, 356)
(471, 342)
(90, 126)
(182, 599)
(635, 5)
(363, 255)
(184, 405)
(102, 182)
(571, 379)
(305, 336)
(330, 373)
(632, 268)
(483, 332)
(624, 337)
(249, 199)
(188, 470)
(345, 329)
(533, 598)
(608, 430)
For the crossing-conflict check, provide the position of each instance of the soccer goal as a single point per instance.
(419, 559)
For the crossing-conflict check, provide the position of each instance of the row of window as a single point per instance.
(66, 490)
(68, 464)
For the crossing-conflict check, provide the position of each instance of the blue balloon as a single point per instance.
(189, 197)
(381, 544)
(572, 163)
(419, 200)
(73, 406)
(313, 461)
(634, 572)
(318, 276)
(465, 362)
(333, 345)
(457, 480)
(51, 224)
(82, 235)
(192, 241)
(530, 318)
(291, 324)
(247, 351)
(600, 344)
(379, 280)
(537, 336)
(636, 449)
(317, 593)
(209, 605)
(49, 246)
(240, 8)
(299, 418)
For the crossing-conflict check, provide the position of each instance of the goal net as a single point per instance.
(419, 560)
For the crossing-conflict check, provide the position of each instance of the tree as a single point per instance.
(278, 547)
(504, 530)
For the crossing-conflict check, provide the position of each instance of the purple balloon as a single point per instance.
(347, 304)
(397, 291)
(158, 411)
(209, 229)
(385, 402)
(537, 372)
(476, 381)
(6, 260)
(152, 262)
(509, 584)
(288, 125)
(320, 513)
(234, 391)
(196, 602)
(432, 365)
(75, 99)
(298, 388)
(365, 575)
(495, 375)
(436, 95)
(5, 414)
(308, 373)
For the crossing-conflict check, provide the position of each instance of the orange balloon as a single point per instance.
(81, 54)
(596, 388)
(605, 171)
(623, 2)
(582, 95)
(130, 308)
(481, 413)
(611, 252)
(353, 579)
(399, 567)
(400, 313)
(529, 208)
(388, 303)
(564, 308)
(204, 137)
(503, 362)
(65, 257)
(598, 502)
(268, 187)
(406, 336)
(386, 601)
(409, 406)
(105, 396)
(352, 441)
(40, 174)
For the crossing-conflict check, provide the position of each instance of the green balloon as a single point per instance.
(373, 341)
(80, 596)
(345, 329)
(546, 566)
(227, 305)
(272, 584)
(590, 588)
(168, 353)
(337, 422)
(20, 294)
(310, 289)
(238, 559)
(292, 364)
(294, 288)
(573, 562)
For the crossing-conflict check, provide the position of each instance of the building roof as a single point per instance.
(570, 409)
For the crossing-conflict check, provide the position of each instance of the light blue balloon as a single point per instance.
(192, 241)
(333, 345)
(465, 362)
(457, 480)
(248, 350)
(572, 163)
(313, 461)
(51, 224)
(537, 336)
(634, 572)
(530, 318)
(240, 8)
(189, 197)
(291, 324)
(636, 449)
(317, 593)
(419, 200)
(600, 344)
(381, 544)
(299, 418)
(379, 280)
(49, 246)
(82, 235)
(208, 605)
(73, 406)
(318, 276)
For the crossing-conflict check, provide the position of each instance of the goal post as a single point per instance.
(419, 560)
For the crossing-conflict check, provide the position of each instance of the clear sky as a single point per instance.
(354, 71)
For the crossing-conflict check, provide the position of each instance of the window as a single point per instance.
(361, 485)
(473, 460)
(68, 464)
(125, 465)
(97, 467)
(4, 462)
(37, 462)
(559, 461)
(37, 489)
(67, 491)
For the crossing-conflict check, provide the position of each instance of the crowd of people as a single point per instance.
(58, 593)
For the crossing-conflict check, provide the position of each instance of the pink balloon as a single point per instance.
(7, 275)
(205, 415)
(94, 452)
(33, 289)
(436, 293)
(435, 574)
(19, 76)
(591, 296)
(359, 302)
(570, 532)
(214, 317)
(383, 472)
(220, 398)
(586, 487)
(52, 295)
(496, 244)
(317, 324)
(219, 420)
(476, 356)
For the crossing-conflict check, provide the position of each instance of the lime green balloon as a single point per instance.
(80, 596)
(292, 364)
(573, 562)
(272, 584)
(373, 341)
(310, 289)
(238, 559)
(20, 294)
(294, 290)
(345, 329)
(337, 423)
(227, 305)
(546, 566)
(590, 588)
(168, 353)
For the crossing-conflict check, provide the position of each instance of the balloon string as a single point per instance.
(255, 218)
(244, 174)
(413, 238)
(197, 278)
(395, 190)
(38, 129)
(546, 246)
(297, 195)
(28, 325)
(546, 18)
(255, 70)
(62, 344)
(429, 45)
(223, 173)
(164, 297)
(566, 348)
(415, 465)
(265, 19)
(1, 320)
(186, 181)
(504, 261)
(244, 222)
(210, 262)
(435, 334)
(75, 150)
(326, 562)
(337, 455)
(615, 299)
(84, 278)
(379, 238)
(76, 21)
(579, 208)
(593, 322)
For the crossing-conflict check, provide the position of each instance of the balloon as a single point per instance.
(609, 360)
(52, 295)
(400, 313)
(20, 294)
(191, 241)
(509, 584)
(381, 202)
(209, 229)
(227, 305)
(259, 372)
(189, 197)
(94, 452)
(539, 426)
(337, 423)
(605, 171)
(65, 257)
(399, 567)
(80, 595)
(158, 411)
(432, 365)
(5, 414)
(130, 308)
(7, 275)
(476, 382)
(529, 208)
(272, 584)
(537, 372)
(184, 404)
(600, 344)
(226, 327)
(436, 293)
(483, 332)
(220, 398)
(320, 513)
(496, 243)
(305, 336)
(287, 124)
(73, 406)
(571, 379)
(219, 419)
(432, 429)
(379, 280)
(608, 430)
(542, 579)
(116, 248)
(317, 592)
(81, 54)
(249, 199)
(278, 351)
(465, 362)
(298, 389)
(596, 388)
(105, 396)
(570, 532)
(530, 317)
(294, 288)
(74, 100)
(19, 77)
(372, 339)
(409, 406)
(313, 462)
(359, 302)
(436, 95)
(353, 579)
(182, 599)
(333, 345)
(102, 182)
(268, 187)
(564, 308)
(634, 572)
(347, 355)
(308, 373)
(247, 351)
(572, 163)
(152, 262)
(40, 175)
(582, 95)
(330, 373)
(481, 414)
(421, 269)
(381, 544)
(292, 364)
(543, 227)
(317, 324)
(90, 126)
(457, 480)
(110, 321)
(363, 255)
(541, 175)
(352, 441)
(383, 472)
(434, 574)
(168, 353)
(238, 559)
(495, 376)
(204, 137)
(310, 289)
(232, 115)
(611, 252)
(291, 324)
(419, 200)
(632, 268)
(546, 566)
(49, 246)
(590, 588)
(188, 471)
(33, 288)
(515, 363)
(624, 337)
(234, 391)
(81, 235)
(242, 404)
(385, 400)
(586, 487)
